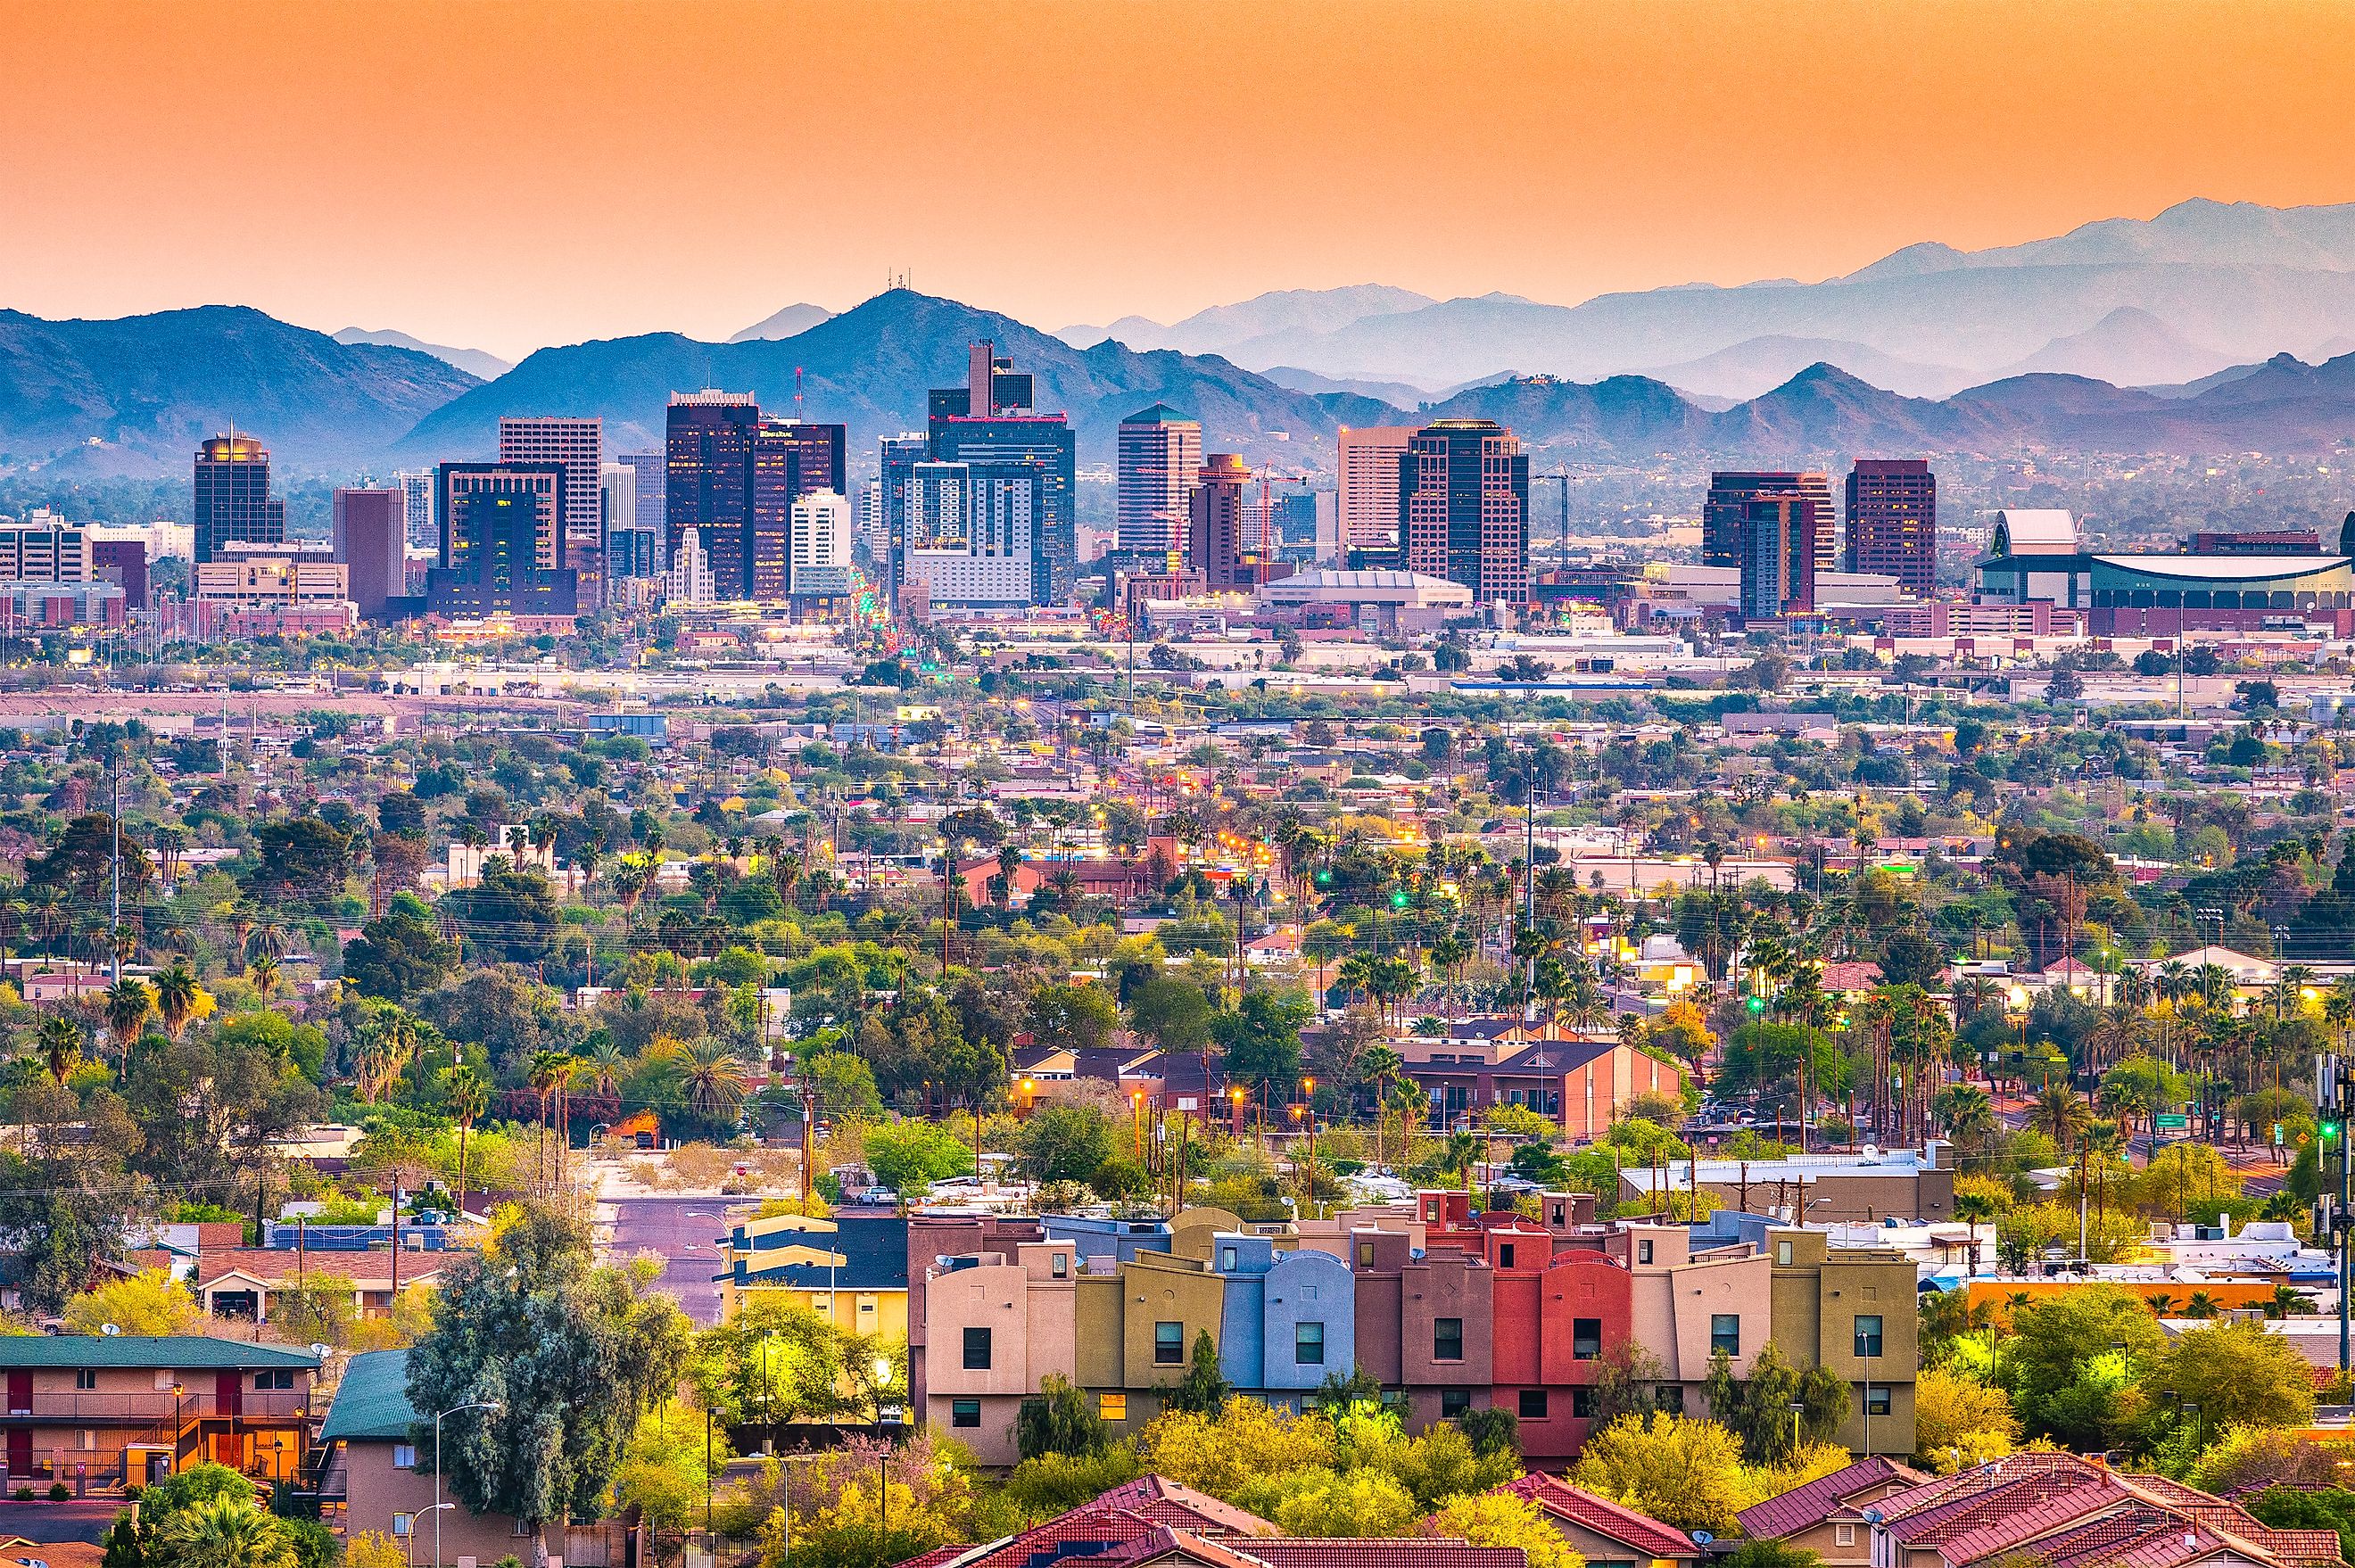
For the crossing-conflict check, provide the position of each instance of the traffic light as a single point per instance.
(1756, 1004)
(1398, 899)
(2329, 1130)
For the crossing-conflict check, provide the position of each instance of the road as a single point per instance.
(682, 1229)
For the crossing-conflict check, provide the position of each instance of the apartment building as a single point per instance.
(1001, 1327)
(1851, 1309)
(126, 1409)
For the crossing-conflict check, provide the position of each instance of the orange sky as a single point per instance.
(507, 175)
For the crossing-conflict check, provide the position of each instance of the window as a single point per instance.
(1454, 1402)
(1644, 1251)
(86, 1377)
(1725, 1332)
(1169, 1344)
(1533, 1404)
(1227, 1259)
(1671, 1398)
(1867, 1334)
(1447, 1339)
(403, 1522)
(1585, 1338)
(1059, 1265)
(86, 1440)
(1876, 1399)
(1581, 1402)
(1504, 1254)
(517, 1528)
(965, 1412)
(1112, 1407)
(1365, 1254)
(1308, 1344)
(1783, 1255)
(977, 1349)
(1843, 1535)
(404, 1456)
(264, 1381)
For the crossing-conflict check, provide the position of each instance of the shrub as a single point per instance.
(59, 1492)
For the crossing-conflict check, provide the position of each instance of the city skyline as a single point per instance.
(1658, 124)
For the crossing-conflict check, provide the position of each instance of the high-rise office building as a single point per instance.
(688, 581)
(1892, 521)
(233, 502)
(791, 459)
(417, 494)
(1369, 494)
(633, 542)
(896, 460)
(990, 424)
(371, 533)
(708, 481)
(1464, 509)
(1724, 515)
(973, 535)
(822, 567)
(496, 517)
(1216, 545)
(1160, 452)
(1778, 556)
(650, 496)
(579, 445)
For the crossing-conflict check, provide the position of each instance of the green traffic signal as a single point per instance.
(1398, 899)
(1756, 1004)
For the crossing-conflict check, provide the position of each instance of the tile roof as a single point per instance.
(936, 1556)
(372, 1401)
(1602, 1516)
(175, 1352)
(1804, 1506)
(1166, 1501)
(1404, 1551)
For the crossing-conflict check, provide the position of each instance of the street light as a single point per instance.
(409, 1541)
(483, 1405)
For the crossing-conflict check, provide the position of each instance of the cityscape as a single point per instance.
(1355, 918)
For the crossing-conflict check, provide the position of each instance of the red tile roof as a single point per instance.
(1165, 1501)
(1603, 1517)
(1405, 1552)
(1802, 1508)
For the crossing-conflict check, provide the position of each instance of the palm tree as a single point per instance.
(128, 1005)
(263, 972)
(177, 995)
(468, 1097)
(222, 1533)
(1970, 1116)
(60, 1040)
(712, 1079)
(601, 1064)
(2202, 1305)
(2060, 1114)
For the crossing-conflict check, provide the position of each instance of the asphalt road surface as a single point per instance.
(683, 1231)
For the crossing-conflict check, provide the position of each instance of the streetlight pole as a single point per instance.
(438, 1504)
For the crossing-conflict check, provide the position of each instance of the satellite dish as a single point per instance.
(109, 1329)
(1702, 1538)
(321, 1350)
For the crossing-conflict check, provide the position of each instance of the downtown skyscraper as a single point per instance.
(990, 425)
(233, 503)
(1892, 521)
(1160, 451)
(1724, 515)
(578, 446)
(1464, 509)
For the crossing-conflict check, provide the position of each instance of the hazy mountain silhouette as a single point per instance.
(787, 322)
(478, 363)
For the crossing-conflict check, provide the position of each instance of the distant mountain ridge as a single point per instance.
(478, 363)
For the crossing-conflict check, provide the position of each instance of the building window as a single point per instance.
(1585, 1338)
(404, 1456)
(1533, 1404)
(1308, 1344)
(1365, 1254)
(86, 1440)
(977, 1349)
(1112, 1407)
(1227, 1259)
(401, 1523)
(1581, 1402)
(1876, 1399)
(1644, 1251)
(517, 1528)
(965, 1412)
(1447, 1339)
(1843, 1535)
(1059, 1265)
(265, 1382)
(1671, 1398)
(1725, 1333)
(1169, 1344)
(1867, 1334)
(1504, 1254)
(1782, 1254)
(86, 1377)
(1454, 1402)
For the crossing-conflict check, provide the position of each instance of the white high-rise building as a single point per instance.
(821, 563)
(417, 499)
(1369, 501)
(688, 581)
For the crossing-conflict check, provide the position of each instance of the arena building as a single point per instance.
(2040, 556)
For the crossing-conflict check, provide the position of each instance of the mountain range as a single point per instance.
(478, 363)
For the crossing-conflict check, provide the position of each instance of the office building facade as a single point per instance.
(1369, 494)
(1160, 451)
(497, 519)
(1724, 520)
(578, 446)
(707, 480)
(1892, 521)
(1216, 545)
(895, 465)
(233, 502)
(372, 537)
(417, 495)
(1464, 509)
(990, 425)
(822, 567)
(45, 552)
(1778, 556)
(791, 459)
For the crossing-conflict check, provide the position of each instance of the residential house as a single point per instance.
(1853, 1309)
(1815, 1188)
(1827, 1516)
(851, 1270)
(1607, 1534)
(933, 1239)
(1002, 1327)
(124, 1409)
(243, 1284)
(1583, 1086)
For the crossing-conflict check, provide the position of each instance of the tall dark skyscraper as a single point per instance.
(989, 423)
(370, 530)
(1724, 516)
(1892, 521)
(1778, 556)
(791, 459)
(232, 497)
(1216, 545)
(1464, 509)
(708, 482)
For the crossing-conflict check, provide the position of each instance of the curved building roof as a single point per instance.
(2047, 531)
(2224, 568)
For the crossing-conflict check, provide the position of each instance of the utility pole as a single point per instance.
(114, 928)
(2330, 1105)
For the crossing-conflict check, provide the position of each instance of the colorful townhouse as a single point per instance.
(851, 1270)
(997, 1326)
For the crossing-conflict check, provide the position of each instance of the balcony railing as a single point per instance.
(94, 1406)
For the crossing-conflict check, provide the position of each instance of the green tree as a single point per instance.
(1172, 1013)
(1259, 1041)
(1075, 1017)
(1066, 1143)
(399, 956)
(1204, 1389)
(507, 915)
(1059, 1418)
(2235, 1374)
(908, 1156)
(573, 1353)
(2062, 1365)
